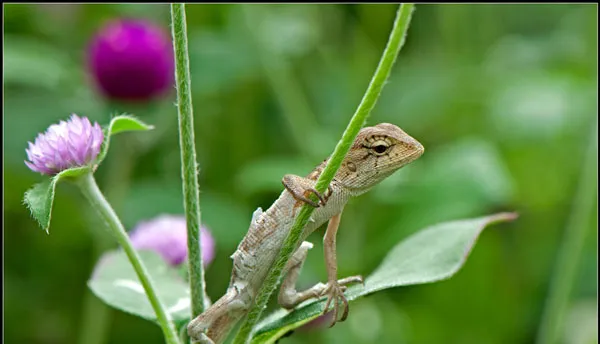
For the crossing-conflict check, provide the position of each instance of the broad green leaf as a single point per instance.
(433, 254)
(115, 282)
(118, 125)
(40, 197)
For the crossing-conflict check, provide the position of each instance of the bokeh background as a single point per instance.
(504, 98)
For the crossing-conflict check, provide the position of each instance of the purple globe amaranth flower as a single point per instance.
(167, 235)
(132, 60)
(73, 143)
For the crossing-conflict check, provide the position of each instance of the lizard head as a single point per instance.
(377, 152)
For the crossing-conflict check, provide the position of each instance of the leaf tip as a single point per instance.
(504, 217)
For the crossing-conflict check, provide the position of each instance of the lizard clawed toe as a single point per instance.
(322, 199)
(352, 279)
(335, 293)
(301, 188)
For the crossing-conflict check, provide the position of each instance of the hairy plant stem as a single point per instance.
(191, 197)
(357, 121)
(90, 190)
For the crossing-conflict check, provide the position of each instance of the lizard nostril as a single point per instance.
(414, 144)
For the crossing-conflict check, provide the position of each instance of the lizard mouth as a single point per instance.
(418, 151)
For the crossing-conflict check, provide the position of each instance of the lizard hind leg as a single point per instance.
(215, 323)
(289, 297)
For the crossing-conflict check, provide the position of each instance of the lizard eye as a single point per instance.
(380, 148)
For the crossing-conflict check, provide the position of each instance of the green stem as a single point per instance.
(570, 253)
(395, 42)
(188, 157)
(90, 189)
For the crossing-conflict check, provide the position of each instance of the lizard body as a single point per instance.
(377, 152)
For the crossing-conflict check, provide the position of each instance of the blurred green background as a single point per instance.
(503, 97)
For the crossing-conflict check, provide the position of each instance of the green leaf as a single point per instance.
(433, 254)
(115, 282)
(40, 197)
(118, 125)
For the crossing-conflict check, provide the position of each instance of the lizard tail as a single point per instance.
(215, 323)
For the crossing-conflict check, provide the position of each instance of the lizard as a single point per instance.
(376, 153)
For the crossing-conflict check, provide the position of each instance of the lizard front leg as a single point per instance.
(301, 188)
(335, 289)
(288, 296)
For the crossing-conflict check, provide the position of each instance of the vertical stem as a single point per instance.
(189, 173)
(90, 189)
(570, 252)
(395, 42)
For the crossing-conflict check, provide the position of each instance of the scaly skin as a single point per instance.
(377, 152)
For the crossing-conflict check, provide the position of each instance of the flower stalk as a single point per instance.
(90, 189)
